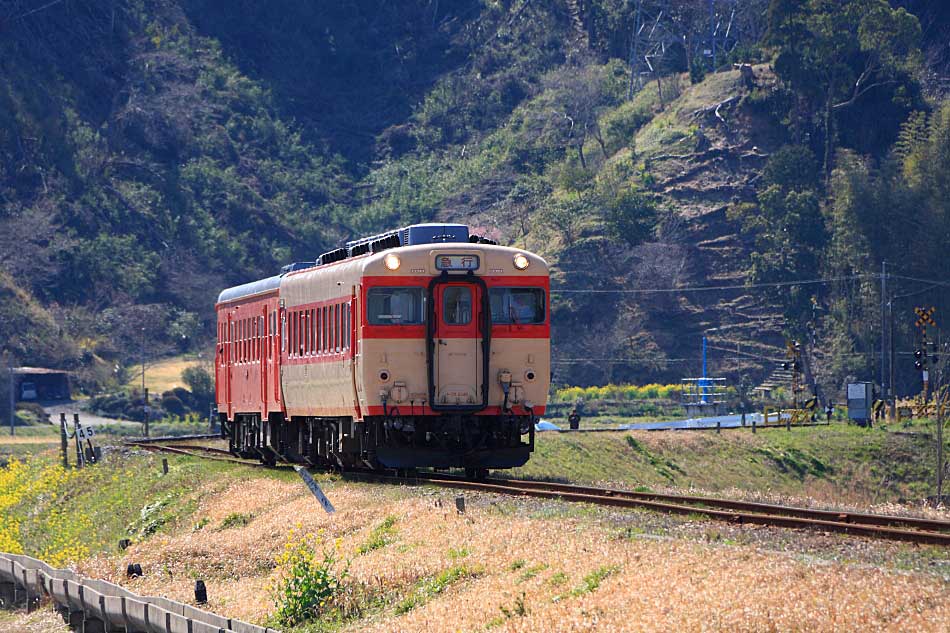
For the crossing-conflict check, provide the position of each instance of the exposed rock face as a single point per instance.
(703, 153)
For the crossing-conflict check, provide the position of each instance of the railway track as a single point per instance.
(909, 529)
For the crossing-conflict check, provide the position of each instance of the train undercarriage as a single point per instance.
(475, 443)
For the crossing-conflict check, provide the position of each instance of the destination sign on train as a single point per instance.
(456, 262)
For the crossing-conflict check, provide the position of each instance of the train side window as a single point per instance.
(255, 353)
(310, 319)
(283, 332)
(395, 306)
(332, 329)
(326, 330)
(309, 314)
(320, 334)
(336, 327)
(273, 334)
(291, 350)
(260, 337)
(302, 334)
(312, 331)
(517, 306)
(296, 333)
(346, 324)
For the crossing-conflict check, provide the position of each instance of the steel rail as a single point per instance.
(207, 452)
(840, 516)
(909, 529)
(173, 438)
(688, 506)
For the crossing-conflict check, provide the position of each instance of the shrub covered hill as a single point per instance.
(155, 151)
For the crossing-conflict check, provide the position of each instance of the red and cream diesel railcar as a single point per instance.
(423, 347)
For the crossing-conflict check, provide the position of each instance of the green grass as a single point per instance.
(531, 572)
(431, 586)
(88, 511)
(864, 465)
(381, 536)
(591, 581)
(235, 520)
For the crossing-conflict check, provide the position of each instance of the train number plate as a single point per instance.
(456, 262)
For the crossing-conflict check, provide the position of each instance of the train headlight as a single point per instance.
(521, 261)
(392, 261)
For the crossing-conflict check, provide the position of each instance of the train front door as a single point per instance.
(457, 338)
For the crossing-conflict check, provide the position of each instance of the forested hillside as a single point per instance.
(155, 151)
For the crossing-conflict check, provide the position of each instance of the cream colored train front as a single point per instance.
(422, 347)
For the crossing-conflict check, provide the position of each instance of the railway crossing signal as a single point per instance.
(925, 317)
(922, 359)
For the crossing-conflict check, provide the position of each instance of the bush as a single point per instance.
(35, 410)
(618, 392)
(308, 586)
(201, 385)
(621, 124)
(174, 405)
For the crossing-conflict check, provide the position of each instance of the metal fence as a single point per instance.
(95, 606)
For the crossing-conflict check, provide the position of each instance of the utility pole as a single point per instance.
(145, 406)
(892, 382)
(940, 401)
(884, 385)
(12, 395)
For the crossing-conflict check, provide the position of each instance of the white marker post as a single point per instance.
(315, 489)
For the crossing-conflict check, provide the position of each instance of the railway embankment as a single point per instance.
(397, 557)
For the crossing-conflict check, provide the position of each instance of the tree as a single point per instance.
(200, 384)
(579, 93)
(788, 231)
(835, 53)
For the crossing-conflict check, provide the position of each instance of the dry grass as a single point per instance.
(39, 441)
(531, 574)
(41, 621)
(163, 375)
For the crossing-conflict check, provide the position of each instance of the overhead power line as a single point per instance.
(773, 284)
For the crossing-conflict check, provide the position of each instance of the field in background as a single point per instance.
(164, 375)
(840, 462)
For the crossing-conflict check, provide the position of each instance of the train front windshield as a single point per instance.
(395, 306)
(518, 306)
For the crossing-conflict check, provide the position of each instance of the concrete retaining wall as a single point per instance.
(96, 606)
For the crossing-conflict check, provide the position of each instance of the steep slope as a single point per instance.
(696, 154)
